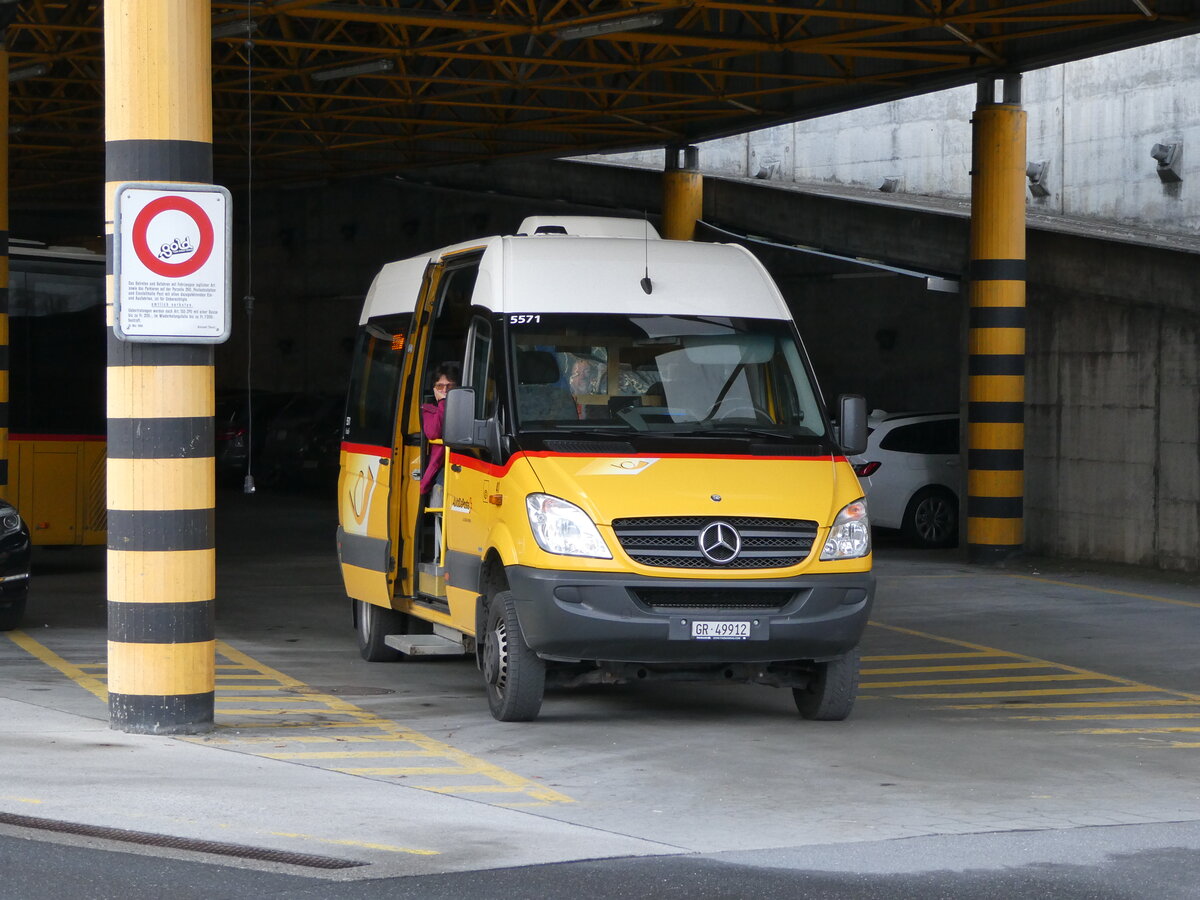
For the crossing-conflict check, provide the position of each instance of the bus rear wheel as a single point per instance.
(829, 696)
(373, 624)
(514, 675)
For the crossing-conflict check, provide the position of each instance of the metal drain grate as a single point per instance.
(146, 839)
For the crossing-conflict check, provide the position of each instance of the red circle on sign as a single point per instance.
(192, 210)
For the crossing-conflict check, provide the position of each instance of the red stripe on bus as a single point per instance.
(495, 471)
(366, 449)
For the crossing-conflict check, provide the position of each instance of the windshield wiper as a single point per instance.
(757, 431)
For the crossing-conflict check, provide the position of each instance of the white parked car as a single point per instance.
(912, 475)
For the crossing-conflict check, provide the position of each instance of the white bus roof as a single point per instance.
(588, 226)
(566, 274)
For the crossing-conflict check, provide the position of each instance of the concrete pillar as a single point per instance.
(683, 194)
(996, 335)
(161, 489)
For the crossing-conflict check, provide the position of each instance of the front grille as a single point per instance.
(673, 542)
(663, 599)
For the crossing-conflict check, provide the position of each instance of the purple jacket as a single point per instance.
(432, 417)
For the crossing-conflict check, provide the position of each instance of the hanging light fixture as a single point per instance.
(37, 70)
(363, 68)
(608, 26)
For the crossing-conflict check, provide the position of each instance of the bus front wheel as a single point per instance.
(514, 675)
(829, 696)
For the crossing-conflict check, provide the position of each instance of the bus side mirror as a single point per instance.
(458, 428)
(852, 423)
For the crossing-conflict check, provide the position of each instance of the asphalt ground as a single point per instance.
(1032, 730)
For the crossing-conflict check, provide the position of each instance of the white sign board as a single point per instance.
(171, 263)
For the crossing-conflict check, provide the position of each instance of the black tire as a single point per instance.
(829, 697)
(373, 624)
(11, 613)
(514, 676)
(931, 519)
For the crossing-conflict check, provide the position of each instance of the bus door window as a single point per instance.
(441, 364)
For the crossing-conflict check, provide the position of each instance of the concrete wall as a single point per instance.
(1094, 122)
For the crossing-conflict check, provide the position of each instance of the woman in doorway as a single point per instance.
(433, 416)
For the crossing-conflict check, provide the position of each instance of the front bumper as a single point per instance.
(628, 618)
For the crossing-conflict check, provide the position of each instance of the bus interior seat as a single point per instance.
(540, 397)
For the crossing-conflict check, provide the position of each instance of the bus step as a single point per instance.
(424, 645)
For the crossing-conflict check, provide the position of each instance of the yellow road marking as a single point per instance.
(901, 657)
(414, 770)
(1080, 704)
(975, 667)
(471, 789)
(1037, 693)
(1099, 676)
(1011, 679)
(1110, 717)
(1100, 590)
(362, 844)
(352, 754)
(1182, 745)
(53, 660)
(460, 761)
(1165, 730)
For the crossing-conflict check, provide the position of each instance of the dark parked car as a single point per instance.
(302, 443)
(14, 566)
(237, 434)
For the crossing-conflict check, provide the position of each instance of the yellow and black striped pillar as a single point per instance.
(996, 335)
(5, 492)
(161, 489)
(683, 194)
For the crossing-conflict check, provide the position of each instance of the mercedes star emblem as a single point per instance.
(720, 543)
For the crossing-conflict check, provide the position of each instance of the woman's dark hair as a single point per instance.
(451, 370)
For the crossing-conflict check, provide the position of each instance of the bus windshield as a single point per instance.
(661, 373)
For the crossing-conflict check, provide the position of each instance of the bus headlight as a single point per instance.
(563, 528)
(850, 536)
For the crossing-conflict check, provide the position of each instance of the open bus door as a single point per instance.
(444, 314)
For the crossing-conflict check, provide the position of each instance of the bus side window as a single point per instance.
(480, 373)
(374, 380)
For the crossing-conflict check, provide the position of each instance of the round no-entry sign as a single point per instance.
(171, 263)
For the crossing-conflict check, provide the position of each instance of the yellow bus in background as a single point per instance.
(57, 359)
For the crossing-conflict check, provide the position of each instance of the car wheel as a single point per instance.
(829, 696)
(373, 624)
(12, 613)
(514, 675)
(931, 519)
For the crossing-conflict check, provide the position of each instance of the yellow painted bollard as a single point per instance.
(683, 195)
(996, 335)
(161, 488)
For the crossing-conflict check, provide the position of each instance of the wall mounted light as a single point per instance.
(608, 26)
(37, 70)
(363, 68)
(1036, 172)
(1169, 157)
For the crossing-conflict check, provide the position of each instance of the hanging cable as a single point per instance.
(248, 300)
